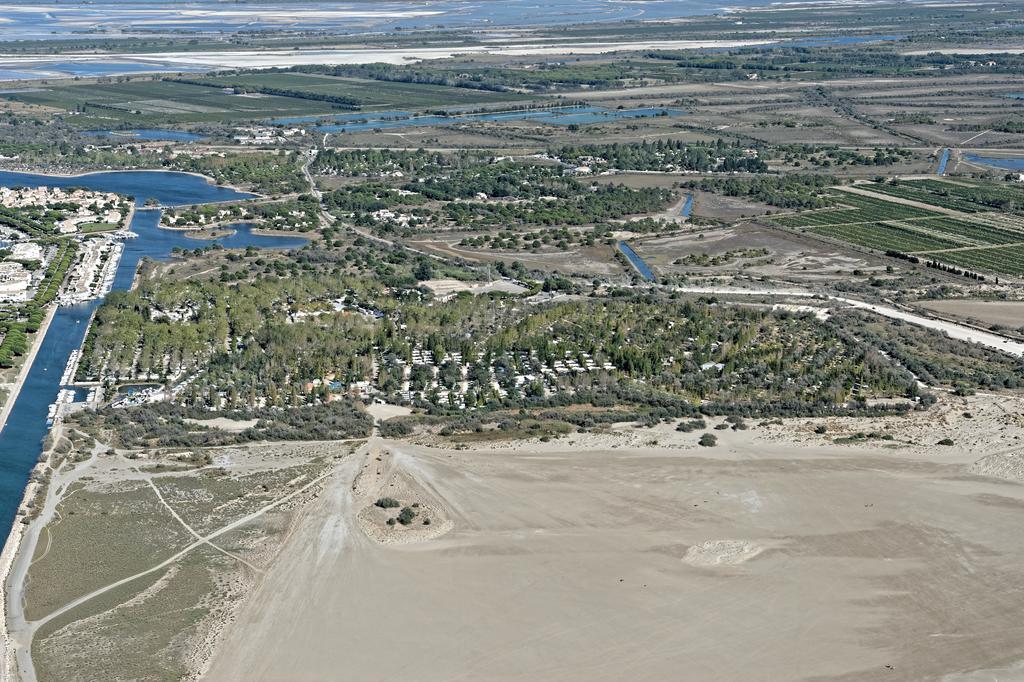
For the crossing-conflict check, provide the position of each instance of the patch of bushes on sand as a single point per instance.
(686, 426)
(165, 425)
(395, 428)
(860, 437)
(406, 516)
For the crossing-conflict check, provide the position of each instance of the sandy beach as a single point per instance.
(778, 554)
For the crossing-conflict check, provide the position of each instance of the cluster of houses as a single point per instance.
(421, 376)
(16, 280)
(94, 272)
(260, 135)
(92, 207)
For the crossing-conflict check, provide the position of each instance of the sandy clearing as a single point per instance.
(445, 287)
(567, 562)
(384, 411)
(225, 424)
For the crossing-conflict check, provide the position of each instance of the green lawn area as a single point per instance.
(97, 227)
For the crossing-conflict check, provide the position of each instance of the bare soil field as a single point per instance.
(595, 260)
(789, 256)
(634, 553)
(1007, 313)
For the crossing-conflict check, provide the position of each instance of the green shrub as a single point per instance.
(691, 425)
(394, 429)
(708, 441)
(387, 503)
(406, 516)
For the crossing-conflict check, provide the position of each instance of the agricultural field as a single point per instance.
(962, 196)
(367, 93)
(1008, 259)
(147, 102)
(142, 103)
(968, 228)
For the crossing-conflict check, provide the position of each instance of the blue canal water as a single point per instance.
(637, 261)
(579, 115)
(148, 134)
(21, 438)
(1011, 164)
(687, 206)
(943, 160)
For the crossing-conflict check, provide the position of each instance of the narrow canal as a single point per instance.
(637, 261)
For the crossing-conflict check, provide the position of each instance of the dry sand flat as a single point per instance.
(1009, 313)
(646, 557)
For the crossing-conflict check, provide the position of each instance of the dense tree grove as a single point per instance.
(504, 193)
(389, 162)
(308, 339)
(668, 155)
(785, 191)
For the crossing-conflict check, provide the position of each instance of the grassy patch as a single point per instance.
(139, 634)
(101, 535)
(97, 227)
